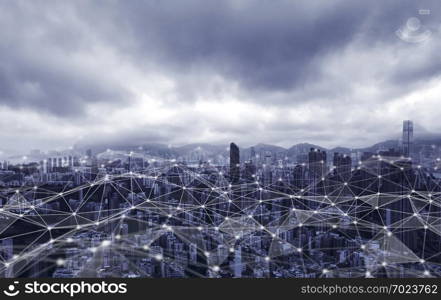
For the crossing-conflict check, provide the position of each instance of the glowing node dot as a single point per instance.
(267, 258)
(105, 243)
(216, 268)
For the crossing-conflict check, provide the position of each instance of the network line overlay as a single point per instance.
(377, 217)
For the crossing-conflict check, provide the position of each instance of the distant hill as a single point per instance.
(213, 150)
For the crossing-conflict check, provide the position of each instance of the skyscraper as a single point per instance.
(407, 142)
(253, 155)
(317, 163)
(342, 164)
(234, 163)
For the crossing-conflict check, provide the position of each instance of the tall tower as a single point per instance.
(407, 138)
(253, 154)
(317, 163)
(234, 163)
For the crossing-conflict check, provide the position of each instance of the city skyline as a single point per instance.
(220, 139)
(376, 215)
(407, 141)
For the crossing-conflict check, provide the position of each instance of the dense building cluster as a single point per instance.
(262, 216)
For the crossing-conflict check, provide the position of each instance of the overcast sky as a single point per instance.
(281, 72)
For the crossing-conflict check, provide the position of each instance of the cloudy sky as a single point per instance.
(281, 72)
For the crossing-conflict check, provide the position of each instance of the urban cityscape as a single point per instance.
(220, 139)
(224, 211)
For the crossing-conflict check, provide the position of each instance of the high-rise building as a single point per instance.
(317, 163)
(342, 165)
(253, 155)
(407, 141)
(234, 163)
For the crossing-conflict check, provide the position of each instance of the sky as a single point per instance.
(333, 73)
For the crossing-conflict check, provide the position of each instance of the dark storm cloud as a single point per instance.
(261, 44)
(160, 68)
(56, 91)
(265, 46)
(40, 61)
